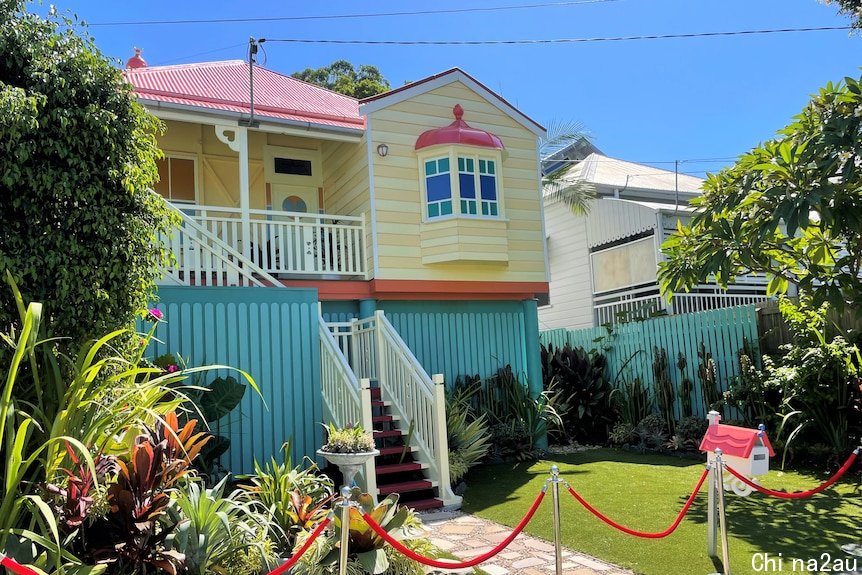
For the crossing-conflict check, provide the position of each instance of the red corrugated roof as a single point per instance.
(224, 86)
(732, 440)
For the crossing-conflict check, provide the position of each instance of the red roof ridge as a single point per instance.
(185, 66)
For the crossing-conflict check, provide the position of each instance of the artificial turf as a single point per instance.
(646, 491)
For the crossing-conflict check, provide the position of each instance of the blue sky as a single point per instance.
(647, 101)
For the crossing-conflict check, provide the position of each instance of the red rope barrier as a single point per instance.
(644, 534)
(450, 564)
(19, 569)
(798, 494)
(15, 567)
(292, 561)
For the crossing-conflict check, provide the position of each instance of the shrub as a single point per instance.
(78, 158)
(468, 436)
(577, 377)
(690, 431)
(652, 431)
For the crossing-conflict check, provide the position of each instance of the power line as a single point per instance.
(553, 40)
(350, 16)
(195, 55)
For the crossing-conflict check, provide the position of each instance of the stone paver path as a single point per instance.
(467, 536)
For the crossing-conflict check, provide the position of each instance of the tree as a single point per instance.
(851, 8)
(77, 159)
(790, 208)
(342, 77)
(561, 139)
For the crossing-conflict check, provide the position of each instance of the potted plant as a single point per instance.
(348, 448)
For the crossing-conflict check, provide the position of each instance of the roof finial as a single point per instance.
(136, 61)
(458, 111)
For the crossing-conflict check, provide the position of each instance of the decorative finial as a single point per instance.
(137, 51)
(555, 471)
(458, 111)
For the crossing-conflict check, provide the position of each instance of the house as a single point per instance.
(353, 256)
(603, 265)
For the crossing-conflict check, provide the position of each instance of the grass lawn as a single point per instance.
(646, 491)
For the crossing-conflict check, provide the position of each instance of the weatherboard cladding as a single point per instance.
(224, 86)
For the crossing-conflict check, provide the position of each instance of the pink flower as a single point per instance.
(156, 314)
(171, 368)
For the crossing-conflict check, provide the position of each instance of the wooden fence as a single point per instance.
(774, 331)
(632, 348)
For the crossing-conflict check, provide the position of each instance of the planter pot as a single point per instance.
(348, 463)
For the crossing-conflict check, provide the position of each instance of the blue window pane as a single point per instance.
(445, 208)
(482, 166)
(468, 186)
(431, 168)
(488, 185)
(438, 187)
(494, 209)
(443, 165)
(470, 165)
(490, 167)
(460, 164)
(433, 210)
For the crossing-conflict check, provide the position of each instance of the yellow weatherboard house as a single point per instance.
(355, 257)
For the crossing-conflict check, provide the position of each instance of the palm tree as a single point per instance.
(558, 182)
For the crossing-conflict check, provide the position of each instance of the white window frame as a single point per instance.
(453, 152)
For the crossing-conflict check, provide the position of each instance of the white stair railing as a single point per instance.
(204, 259)
(417, 400)
(346, 400)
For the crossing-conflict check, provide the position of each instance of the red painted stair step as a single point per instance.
(395, 450)
(382, 419)
(375, 393)
(405, 487)
(398, 468)
(390, 433)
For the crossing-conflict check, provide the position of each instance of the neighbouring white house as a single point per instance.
(603, 265)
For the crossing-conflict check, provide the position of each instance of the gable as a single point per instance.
(432, 83)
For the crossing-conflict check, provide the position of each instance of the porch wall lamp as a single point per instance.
(382, 150)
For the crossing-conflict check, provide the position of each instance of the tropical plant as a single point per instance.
(631, 399)
(686, 386)
(559, 185)
(690, 431)
(708, 377)
(578, 377)
(214, 528)
(214, 402)
(623, 433)
(651, 431)
(468, 436)
(788, 209)
(295, 496)
(366, 549)
(351, 439)
(65, 199)
(664, 387)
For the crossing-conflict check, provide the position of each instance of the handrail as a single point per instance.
(346, 400)
(225, 254)
(278, 213)
(401, 348)
(416, 399)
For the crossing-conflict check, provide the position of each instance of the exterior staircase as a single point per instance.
(369, 375)
(396, 468)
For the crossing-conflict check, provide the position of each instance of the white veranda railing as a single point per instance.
(290, 242)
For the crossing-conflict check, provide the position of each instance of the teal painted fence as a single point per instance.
(463, 338)
(272, 335)
(630, 347)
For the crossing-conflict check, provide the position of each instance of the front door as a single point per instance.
(295, 182)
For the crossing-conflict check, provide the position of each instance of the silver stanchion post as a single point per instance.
(345, 530)
(711, 530)
(558, 546)
(722, 517)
